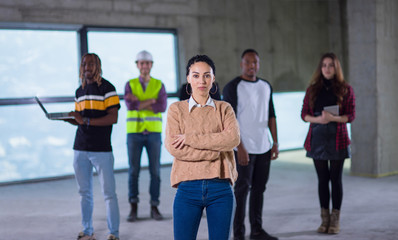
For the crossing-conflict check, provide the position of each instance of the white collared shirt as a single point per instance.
(192, 103)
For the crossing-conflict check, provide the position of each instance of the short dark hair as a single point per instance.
(249, 50)
(201, 58)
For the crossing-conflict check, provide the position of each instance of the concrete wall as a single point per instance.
(387, 85)
(289, 35)
(373, 60)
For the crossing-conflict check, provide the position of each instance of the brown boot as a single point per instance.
(334, 226)
(325, 215)
(133, 213)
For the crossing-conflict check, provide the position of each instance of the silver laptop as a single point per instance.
(54, 116)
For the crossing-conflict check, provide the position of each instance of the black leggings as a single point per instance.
(330, 172)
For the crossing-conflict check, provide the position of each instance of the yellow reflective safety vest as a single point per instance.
(139, 121)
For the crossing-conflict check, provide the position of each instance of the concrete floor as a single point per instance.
(50, 210)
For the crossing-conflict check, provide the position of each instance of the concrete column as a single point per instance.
(372, 60)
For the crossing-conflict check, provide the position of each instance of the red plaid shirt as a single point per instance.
(347, 108)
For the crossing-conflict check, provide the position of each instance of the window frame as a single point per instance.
(82, 45)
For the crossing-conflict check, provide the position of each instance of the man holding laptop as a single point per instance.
(96, 110)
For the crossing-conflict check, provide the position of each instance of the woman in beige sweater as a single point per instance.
(201, 134)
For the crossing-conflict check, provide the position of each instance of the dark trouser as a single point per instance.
(135, 144)
(253, 178)
(333, 174)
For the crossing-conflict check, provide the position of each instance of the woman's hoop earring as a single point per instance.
(186, 89)
(214, 90)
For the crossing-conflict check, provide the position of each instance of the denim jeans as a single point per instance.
(135, 143)
(253, 178)
(83, 163)
(192, 197)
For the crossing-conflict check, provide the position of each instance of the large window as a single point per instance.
(118, 51)
(38, 62)
(45, 62)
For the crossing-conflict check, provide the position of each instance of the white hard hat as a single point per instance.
(144, 56)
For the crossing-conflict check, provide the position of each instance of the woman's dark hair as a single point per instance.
(201, 58)
(339, 86)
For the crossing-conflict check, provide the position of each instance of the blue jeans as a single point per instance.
(135, 143)
(83, 163)
(192, 197)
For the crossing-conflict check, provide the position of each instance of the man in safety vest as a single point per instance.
(146, 99)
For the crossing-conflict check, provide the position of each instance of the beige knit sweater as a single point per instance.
(211, 134)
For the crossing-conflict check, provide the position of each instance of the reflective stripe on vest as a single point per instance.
(139, 121)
